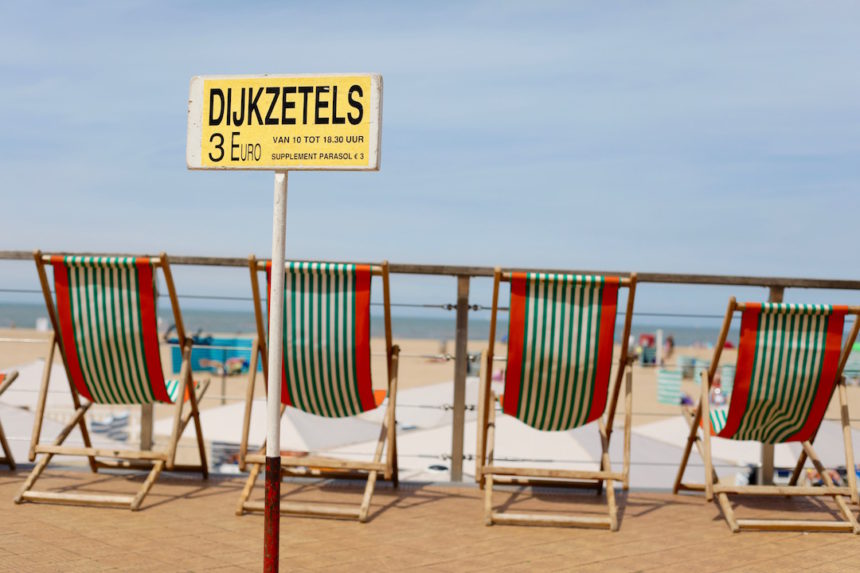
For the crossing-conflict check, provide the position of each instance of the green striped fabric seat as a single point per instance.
(106, 308)
(719, 415)
(788, 357)
(669, 387)
(560, 345)
(326, 365)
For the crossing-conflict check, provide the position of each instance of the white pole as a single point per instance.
(276, 317)
(273, 397)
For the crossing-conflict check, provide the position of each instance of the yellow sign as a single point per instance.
(285, 122)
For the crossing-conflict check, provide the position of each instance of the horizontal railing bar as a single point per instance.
(479, 271)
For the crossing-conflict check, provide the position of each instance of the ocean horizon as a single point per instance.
(204, 322)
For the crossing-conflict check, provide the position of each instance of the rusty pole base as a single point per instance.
(271, 542)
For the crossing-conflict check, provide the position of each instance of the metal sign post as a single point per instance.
(282, 123)
(272, 528)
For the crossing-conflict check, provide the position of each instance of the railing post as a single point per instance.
(146, 426)
(765, 476)
(461, 359)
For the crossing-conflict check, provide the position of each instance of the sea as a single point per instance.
(205, 322)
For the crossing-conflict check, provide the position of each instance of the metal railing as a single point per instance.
(463, 274)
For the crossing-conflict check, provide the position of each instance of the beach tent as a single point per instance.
(420, 450)
(673, 431)
(25, 392)
(19, 428)
(300, 431)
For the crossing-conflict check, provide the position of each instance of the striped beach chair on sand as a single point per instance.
(326, 372)
(559, 361)
(104, 324)
(6, 380)
(790, 362)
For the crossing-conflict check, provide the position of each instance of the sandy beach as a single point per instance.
(20, 347)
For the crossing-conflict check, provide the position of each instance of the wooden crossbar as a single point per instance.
(120, 454)
(788, 490)
(509, 518)
(320, 463)
(375, 270)
(297, 508)
(104, 500)
(551, 473)
(794, 525)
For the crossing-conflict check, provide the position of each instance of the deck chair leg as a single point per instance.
(692, 439)
(198, 427)
(606, 465)
(147, 484)
(490, 437)
(249, 487)
(488, 500)
(7, 451)
(184, 375)
(371, 477)
(628, 422)
(706, 436)
(43, 396)
(368, 494)
(688, 448)
(391, 424)
(82, 424)
(34, 475)
(843, 507)
(798, 468)
(249, 400)
(46, 458)
(846, 437)
(728, 512)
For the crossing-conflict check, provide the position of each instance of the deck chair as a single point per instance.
(6, 381)
(560, 346)
(326, 372)
(790, 361)
(105, 327)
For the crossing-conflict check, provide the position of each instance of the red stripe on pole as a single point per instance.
(67, 329)
(362, 337)
(516, 332)
(605, 346)
(272, 528)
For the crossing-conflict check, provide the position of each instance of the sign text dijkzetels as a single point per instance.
(285, 122)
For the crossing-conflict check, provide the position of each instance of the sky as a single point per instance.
(694, 137)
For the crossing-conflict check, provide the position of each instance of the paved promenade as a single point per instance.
(186, 525)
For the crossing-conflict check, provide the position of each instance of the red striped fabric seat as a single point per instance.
(326, 360)
(560, 345)
(787, 362)
(106, 308)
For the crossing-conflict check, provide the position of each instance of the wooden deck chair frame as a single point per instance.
(320, 466)
(712, 487)
(147, 460)
(7, 458)
(488, 474)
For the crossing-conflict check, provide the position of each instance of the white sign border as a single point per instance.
(194, 141)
